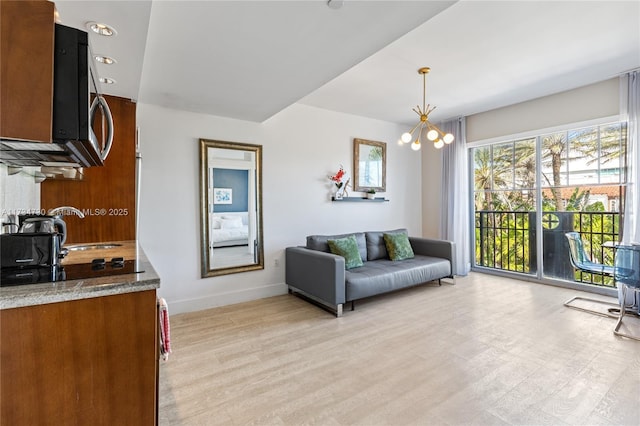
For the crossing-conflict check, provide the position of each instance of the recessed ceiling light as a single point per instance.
(102, 29)
(107, 80)
(104, 59)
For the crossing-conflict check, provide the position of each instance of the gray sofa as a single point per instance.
(317, 274)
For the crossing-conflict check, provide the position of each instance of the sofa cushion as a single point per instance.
(398, 246)
(375, 246)
(348, 248)
(385, 275)
(319, 243)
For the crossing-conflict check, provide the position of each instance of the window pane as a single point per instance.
(525, 164)
(554, 159)
(584, 153)
(584, 198)
(611, 154)
(503, 241)
(482, 168)
(503, 167)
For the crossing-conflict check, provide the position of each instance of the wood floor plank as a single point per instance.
(488, 350)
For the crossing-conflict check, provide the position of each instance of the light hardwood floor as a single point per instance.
(485, 351)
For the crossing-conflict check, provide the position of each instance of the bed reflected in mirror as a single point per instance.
(230, 207)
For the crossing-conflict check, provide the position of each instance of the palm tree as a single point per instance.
(609, 148)
(489, 175)
(553, 148)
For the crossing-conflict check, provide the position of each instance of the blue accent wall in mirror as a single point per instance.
(238, 182)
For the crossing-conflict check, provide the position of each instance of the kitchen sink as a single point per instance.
(97, 246)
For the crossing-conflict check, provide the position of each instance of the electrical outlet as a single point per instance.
(276, 262)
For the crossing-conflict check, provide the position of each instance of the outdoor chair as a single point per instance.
(627, 275)
(581, 261)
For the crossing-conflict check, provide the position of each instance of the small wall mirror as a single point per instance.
(369, 165)
(230, 207)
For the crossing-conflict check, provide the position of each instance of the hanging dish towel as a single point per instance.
(165, 333)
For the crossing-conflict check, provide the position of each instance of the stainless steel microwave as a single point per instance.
(77, 104)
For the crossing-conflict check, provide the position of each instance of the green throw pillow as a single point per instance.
(398, 246)
(348, 248)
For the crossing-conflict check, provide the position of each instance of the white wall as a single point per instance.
(19, 193)
(301, 146)
(431, 190)
(582, 104)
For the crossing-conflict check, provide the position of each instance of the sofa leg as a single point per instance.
(439, 282)
(449, 280)
(339, 310)
(353, 305)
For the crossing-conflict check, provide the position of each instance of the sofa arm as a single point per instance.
(435, 248)
(316, 273)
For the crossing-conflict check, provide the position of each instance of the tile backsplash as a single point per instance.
(18, 192)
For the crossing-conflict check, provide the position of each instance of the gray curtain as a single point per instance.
(455, 194)
(630, 102)
(630, 91)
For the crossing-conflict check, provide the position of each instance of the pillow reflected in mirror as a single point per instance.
(231, 223)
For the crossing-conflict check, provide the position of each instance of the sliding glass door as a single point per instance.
(529, 192)
(504, 198)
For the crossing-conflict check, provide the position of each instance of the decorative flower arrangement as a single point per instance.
(337, 178)
(341, 180)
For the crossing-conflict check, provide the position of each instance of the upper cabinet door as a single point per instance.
(26, 69)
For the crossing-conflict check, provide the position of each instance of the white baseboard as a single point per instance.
(223, 299)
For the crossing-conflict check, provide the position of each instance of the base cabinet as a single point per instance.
(86, 362)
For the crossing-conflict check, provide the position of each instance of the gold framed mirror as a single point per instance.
(230, 207)
(369, 165)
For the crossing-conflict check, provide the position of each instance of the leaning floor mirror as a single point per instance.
(230, 207)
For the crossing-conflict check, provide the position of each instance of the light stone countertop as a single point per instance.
(63, 291)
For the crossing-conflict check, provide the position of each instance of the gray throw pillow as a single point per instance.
(376, 248)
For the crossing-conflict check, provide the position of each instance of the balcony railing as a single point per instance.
(506, 240)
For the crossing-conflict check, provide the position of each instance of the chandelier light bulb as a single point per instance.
(406, 137)
(448, 138)
(432, 135)
(438, 144)
(416, 145)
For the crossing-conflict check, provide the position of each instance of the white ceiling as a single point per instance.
(251, 59)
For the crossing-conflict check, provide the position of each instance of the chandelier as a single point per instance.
(424, 127)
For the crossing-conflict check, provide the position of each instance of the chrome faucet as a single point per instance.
(66, 210)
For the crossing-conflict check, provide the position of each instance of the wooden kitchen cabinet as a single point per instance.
(106, 194)
(87, 362)
(26, 69)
